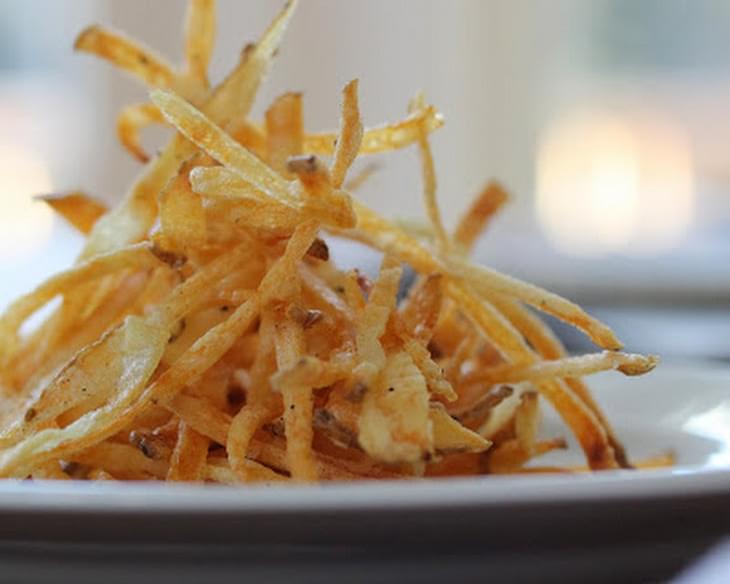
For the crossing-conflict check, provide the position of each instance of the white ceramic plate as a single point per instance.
(682, 408)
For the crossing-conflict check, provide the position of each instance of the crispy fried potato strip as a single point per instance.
(130, 121)
(79, 209)
(207, 332)
(199, 38)
(626, 363)
(126, 54)
(385, 138)
(350, 137)
(484, 207)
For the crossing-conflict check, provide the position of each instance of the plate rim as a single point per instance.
(375, 496)
(81, 497)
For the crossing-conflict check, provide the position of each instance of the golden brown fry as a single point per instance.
(232, 99)
(249, 136)
(50, 471)
(421, 310)
(122, 460)
(220, 472)
(199, 38)
(350, 136)
(136, 256)
(189, 458)
(76, 207)
(482, 209)
(130, 121)
(183, 222)
(126, 54)
(588, 430)
(544, 341)
(284, 130)
(207, 335)
(259, 407)
(509, 456)
(99, 424)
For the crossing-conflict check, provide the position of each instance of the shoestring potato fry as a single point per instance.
(204, 334)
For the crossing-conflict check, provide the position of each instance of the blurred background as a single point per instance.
(608, 121)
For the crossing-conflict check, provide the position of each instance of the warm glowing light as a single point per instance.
(607, 183)
(25, 225)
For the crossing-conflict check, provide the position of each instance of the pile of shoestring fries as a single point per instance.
(204, 334)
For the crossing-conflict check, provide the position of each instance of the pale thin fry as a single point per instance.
(394, 423)
(449, 436)
(201, 415)
(309, 370)
(428, 173)
(626, 363)
(215, 142)
(320, 198)
(382, 139)
(498, 329)
(527, 421)
(584, 423)
(381, 234)
(431, 371)
(487, 282)
(289, 342)
(89, 379)
(371, 322)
